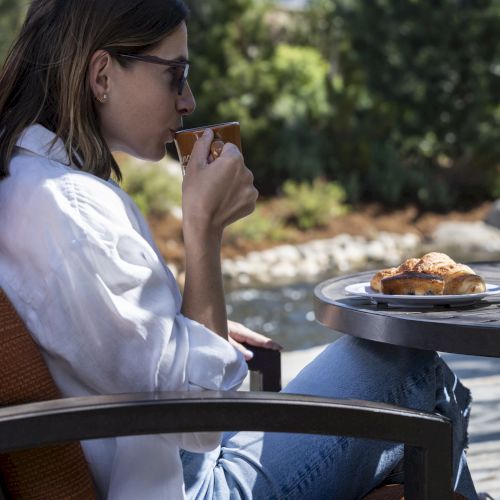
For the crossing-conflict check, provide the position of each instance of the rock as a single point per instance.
(311, 267)
(282, 269)
(244, 279)
(468, 238)
(493, 218)
(343, 253)
(286, 253)
(375, 250)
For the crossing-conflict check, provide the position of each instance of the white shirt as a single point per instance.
(80, 266)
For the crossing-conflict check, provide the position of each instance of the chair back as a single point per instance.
(54, 472)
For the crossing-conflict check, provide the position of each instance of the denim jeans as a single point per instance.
(255, 465)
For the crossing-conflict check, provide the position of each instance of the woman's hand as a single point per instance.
(214, 194)
(239, 333)
(217, 193)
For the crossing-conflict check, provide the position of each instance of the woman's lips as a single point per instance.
(171, 137)
(173, 131)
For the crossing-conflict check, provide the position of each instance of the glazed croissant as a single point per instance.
(433, 274)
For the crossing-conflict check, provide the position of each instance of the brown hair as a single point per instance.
(44, 78)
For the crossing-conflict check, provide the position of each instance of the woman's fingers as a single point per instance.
(201, 149)
(222, 191)
(241, 333)
(248, 355)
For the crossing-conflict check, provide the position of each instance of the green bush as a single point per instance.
(414, 98)
(12, 13)
(396, 101)
(260, 226)
(152, 186)
(275, 89)
(314, 205)
(390, 180)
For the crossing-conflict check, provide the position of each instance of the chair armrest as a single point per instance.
(265, 369)
(427, 437)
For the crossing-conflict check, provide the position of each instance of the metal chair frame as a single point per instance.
(427, 437)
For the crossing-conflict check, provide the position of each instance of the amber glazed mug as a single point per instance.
(223, 132)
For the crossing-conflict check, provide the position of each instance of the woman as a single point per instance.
(84, 79)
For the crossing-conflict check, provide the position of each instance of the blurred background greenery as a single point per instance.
(396, 102)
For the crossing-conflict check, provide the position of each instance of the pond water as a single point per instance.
(284, 313)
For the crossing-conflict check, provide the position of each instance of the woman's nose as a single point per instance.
(186, 103)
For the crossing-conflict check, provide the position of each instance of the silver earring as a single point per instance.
(103, 99)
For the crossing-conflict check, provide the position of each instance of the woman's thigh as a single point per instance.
(278, 465)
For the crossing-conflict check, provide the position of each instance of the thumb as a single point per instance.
(201, 148)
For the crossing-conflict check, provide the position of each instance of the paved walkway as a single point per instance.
(482, 376)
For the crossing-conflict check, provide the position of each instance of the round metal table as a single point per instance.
(474, 329)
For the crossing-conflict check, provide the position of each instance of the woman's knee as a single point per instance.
(362, 355)
(352, 367)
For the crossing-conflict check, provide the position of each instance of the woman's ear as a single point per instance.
(99, 74)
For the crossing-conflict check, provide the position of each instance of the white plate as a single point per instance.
(365, 290)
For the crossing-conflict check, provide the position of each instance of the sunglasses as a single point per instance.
(181, 67)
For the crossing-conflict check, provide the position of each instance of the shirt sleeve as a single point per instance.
(104, 308)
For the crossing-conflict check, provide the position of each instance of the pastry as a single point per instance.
(433, 274)
(436, 263)
(408, 265)
(459, 279)
(376, 281)
(433, 260)
(412, 283)
(461, 282)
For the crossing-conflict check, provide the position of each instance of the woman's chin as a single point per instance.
(151, 155)
(159, 156)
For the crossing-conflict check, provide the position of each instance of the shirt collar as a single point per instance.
(37, 139)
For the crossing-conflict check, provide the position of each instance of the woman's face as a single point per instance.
(143, 107)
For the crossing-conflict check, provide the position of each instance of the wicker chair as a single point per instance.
(40, 456)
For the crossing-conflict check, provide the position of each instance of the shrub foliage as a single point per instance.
(397, 101)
